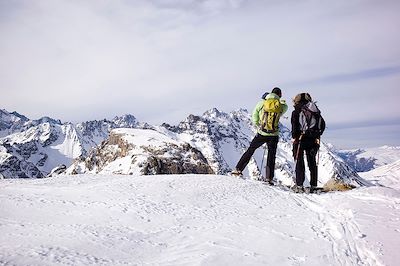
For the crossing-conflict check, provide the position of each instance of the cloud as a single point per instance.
(161, 60)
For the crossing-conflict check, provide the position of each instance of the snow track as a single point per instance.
(192, 220)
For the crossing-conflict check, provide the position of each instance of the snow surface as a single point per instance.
(192, 220)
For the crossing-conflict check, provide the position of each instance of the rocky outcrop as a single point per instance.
(58, 170)
(141, 151)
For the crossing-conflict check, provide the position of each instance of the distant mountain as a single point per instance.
(363, 160)
(35, 147)
(387, 175)
(14, 122)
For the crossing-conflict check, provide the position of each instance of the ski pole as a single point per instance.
(298, 148)
(262, 161)
(318, 142)
(296, 158)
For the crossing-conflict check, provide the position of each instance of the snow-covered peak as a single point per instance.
(125, 121)
(9, 120)
(215, 114)
(47, 119)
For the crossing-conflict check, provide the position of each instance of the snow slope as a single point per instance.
(387, 175)
(192, 220)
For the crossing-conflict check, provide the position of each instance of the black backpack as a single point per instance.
(312, 124)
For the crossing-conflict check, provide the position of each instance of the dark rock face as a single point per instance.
(13, 167)
(358, 164)
(179, 161)
(58, 170)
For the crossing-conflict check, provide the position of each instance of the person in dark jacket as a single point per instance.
(306, 139)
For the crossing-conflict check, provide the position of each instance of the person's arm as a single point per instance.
(296, 131)
(323, 125)
(256, 113)
(284, 106)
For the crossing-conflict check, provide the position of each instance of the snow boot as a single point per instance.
(316, 190)
(270, 182)
(237, 173)
(298, 189)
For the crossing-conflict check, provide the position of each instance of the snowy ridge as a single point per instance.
(192, 220)
(363, 160)
(387, 175)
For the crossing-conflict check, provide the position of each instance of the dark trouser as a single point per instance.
(272, 143)
(311, 149)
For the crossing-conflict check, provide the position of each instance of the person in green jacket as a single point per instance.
(266, 118)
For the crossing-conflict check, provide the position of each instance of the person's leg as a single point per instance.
(272, 143)
(312, 165)
(257, 141)
(300, 168)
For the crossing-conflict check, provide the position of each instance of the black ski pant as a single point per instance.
(258, 140)
(311, 149)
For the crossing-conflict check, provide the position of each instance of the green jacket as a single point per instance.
(257, 112)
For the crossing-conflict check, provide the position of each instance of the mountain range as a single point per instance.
(210, 143)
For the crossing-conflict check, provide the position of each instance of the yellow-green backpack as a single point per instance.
(271, 112)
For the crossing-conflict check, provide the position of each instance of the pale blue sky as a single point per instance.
(161, 60)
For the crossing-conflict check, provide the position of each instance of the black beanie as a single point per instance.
(277, 91)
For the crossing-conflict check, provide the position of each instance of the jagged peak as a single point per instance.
(214, 113)
(15, 114)
(46, 119)
(126, 120)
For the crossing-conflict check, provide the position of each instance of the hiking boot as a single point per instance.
(317, 190)
(298, 189)
(237, 173)
(270, 182)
